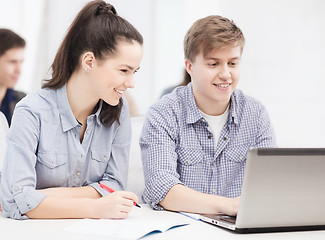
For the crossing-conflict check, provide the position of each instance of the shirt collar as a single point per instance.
(193, 112)
(97, 113)
(68, 120)
(233, 109)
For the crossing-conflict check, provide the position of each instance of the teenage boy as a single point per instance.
(195, 140)
(12, 48)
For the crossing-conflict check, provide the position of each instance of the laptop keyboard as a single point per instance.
(228, 219)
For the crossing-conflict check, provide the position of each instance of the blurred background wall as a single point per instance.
(283, 61)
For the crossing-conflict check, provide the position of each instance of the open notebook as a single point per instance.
(141, 222)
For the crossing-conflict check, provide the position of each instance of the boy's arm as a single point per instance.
(184, 199)
(266, 134)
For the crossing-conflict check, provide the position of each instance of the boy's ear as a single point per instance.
(188, 66)
(87, 61)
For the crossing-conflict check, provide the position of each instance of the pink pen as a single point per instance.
(110, 190)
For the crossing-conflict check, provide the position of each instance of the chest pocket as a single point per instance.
(237, 153)
(52, 160)
(190, 166)
(100, 155)
(189, 156)
(52, 170)
(234, 165)
(99, 161)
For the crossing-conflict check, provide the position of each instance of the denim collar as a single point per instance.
(68, 120)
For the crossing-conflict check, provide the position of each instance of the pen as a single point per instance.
(110, 190)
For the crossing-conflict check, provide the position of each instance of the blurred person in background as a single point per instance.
(12, 48)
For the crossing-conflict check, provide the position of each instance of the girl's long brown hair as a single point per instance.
(97, 28)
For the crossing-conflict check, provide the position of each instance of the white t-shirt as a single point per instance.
(216, 124)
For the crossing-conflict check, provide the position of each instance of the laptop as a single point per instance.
(283, 190)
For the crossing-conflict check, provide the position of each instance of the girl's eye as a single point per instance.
(124, 70)
(233, 64)
(212, 64)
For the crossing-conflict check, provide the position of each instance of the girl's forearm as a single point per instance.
(58, 207)
(72, 192)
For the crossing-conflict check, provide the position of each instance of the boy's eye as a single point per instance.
(124, 70)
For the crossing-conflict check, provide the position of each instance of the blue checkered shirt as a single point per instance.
(178, 148)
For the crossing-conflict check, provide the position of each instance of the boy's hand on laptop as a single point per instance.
(230, 206)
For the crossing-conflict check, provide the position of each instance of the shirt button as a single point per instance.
(78, 173)
(15, 189)
(52, 164)
(214, 164)
(225, 139)
(91, 117)
(214, 191)
(87, 131)
(105, 158)
(188, 161)
(209, 136)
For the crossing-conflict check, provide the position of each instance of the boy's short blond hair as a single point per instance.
(211, 33)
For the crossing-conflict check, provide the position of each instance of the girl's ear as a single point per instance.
(188, 66)
(87, 61)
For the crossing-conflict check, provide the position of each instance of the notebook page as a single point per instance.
(139, 223)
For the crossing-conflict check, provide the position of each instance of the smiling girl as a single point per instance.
(75, 132)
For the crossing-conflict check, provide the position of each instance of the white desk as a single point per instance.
(55, 229)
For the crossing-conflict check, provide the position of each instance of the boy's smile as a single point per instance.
(222, 86)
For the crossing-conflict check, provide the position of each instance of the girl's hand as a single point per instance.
(115, 205)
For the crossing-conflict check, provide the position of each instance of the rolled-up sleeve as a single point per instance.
(18, 178)
(159, 157)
